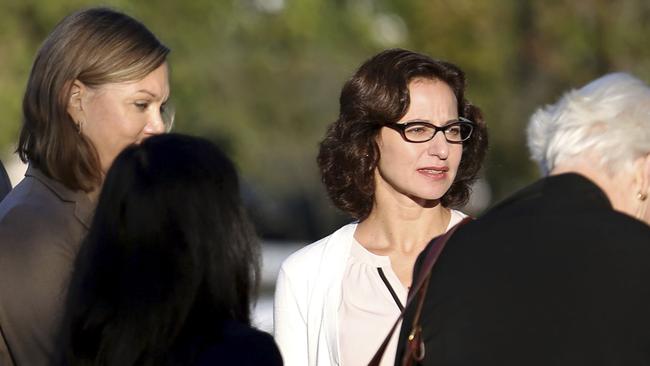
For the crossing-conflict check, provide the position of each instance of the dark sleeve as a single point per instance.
(264, 352)
(35, 263)
(410, 311)
(254, 348)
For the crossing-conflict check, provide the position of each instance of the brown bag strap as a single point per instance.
(422, 278)
(414, 344)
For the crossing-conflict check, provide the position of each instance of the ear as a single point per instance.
(75, 105)
(642, 174)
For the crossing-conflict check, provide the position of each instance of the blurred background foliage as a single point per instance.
(262, 77)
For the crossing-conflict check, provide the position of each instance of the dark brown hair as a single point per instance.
(95, 46)
(378, 95)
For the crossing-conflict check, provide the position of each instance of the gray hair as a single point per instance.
(610, 116)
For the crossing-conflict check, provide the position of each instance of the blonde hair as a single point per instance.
(95, 46)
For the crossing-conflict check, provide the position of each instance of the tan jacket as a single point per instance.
(41, 226)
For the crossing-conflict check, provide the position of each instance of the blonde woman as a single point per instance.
(98, 84)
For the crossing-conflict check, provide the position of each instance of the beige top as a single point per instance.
(368, 310)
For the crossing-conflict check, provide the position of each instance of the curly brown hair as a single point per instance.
(378, 95)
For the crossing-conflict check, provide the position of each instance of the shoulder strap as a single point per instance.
(422, 277)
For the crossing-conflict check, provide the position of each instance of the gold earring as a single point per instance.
(641, 196)
(79, 126)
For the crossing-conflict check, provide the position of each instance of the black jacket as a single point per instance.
(243, 346)
(551, 276)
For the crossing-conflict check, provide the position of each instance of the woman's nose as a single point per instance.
(438, 146)
(156, 125)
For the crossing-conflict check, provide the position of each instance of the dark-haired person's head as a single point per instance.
(169, 257)
(375, 103)
(98, 84)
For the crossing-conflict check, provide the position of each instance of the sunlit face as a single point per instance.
(116, 115)
(420, 171)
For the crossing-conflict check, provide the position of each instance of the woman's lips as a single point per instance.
(434, 172)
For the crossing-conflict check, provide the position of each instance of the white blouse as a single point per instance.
(368, 309)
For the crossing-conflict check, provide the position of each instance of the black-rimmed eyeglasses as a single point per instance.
(455, 131)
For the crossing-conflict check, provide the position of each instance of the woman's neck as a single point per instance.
(402, 225)
(93, 195)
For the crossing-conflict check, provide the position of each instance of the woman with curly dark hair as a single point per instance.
(401, 156)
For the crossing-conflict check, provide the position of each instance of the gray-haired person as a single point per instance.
(558, 273)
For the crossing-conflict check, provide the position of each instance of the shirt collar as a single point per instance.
(84, 208)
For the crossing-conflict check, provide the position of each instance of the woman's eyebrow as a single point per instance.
(146, 91)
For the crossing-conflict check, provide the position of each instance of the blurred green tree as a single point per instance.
(262, 77)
